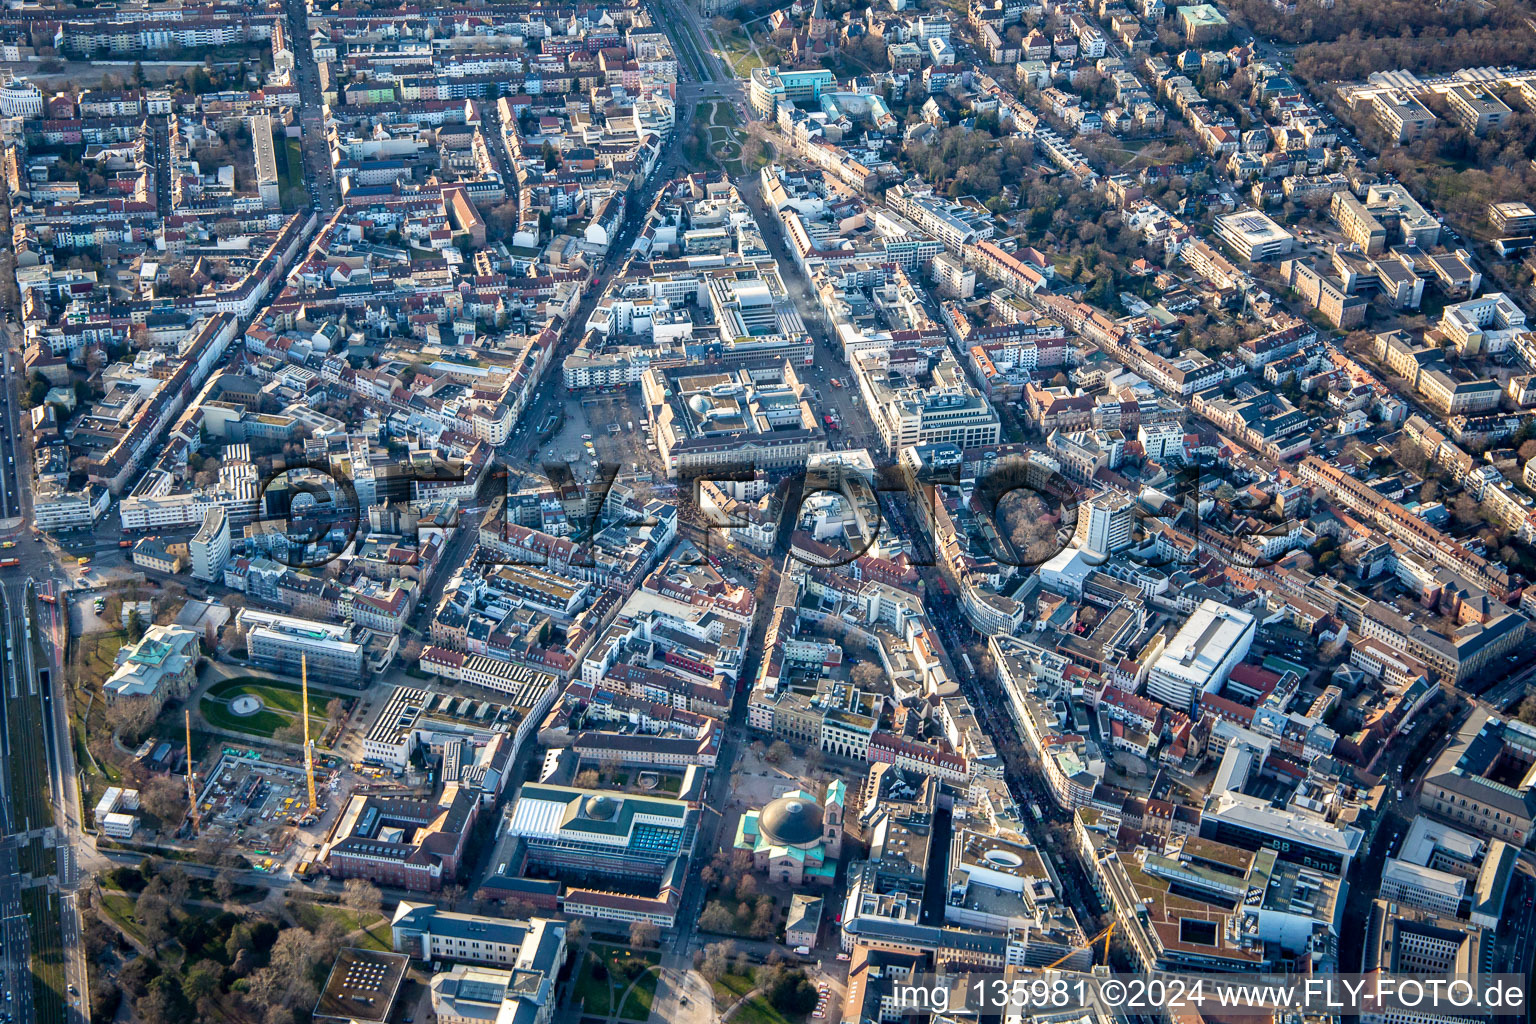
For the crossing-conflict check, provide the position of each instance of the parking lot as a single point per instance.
(598, 429)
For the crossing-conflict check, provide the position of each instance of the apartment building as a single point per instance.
(209, 547)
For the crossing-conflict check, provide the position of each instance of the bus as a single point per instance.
(9, 563)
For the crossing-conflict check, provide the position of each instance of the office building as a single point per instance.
(280, 642)
(473, 740)
(1253, 236)
(19, 98)
(362, 987)
(1387, 215)
(770, 87)
(1512, 218)
(478, 995)
(1252, 822)
(412, 843)
(704, 422)
(427, 932)
(1476, 109)
(594, 832)
(1202, 23)
(1201, 655)
(1484, 782)
(934, 406)
(1402, 116)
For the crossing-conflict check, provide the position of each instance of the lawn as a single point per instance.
(290, 170)
(376, 935)
(98, 653)
(724, 114)
(725, 136)
(280, 706)
(119, 907)
(47, 944)
(759, 1011)
(262, 723)
(729, 988)
(738, 53)
(595, 997)
(598, 995)
(638, 1006)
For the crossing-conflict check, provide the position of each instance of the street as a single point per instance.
(320, 179)
(11, 507)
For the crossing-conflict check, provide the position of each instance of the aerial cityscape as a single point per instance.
(689, 511)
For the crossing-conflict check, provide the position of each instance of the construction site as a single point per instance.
(260, 801)
(254, 802)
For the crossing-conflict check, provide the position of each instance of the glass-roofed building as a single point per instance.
(618, 835)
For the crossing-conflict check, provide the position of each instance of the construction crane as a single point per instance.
(1106, 935)
(191, 777)
(313, 813)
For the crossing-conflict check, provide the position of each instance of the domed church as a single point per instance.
(796, 838)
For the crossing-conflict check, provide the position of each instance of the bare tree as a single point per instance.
(644, 935)
(716, 960)
(154, 913)
(717, 917)
(866, 675)
(166, 800)
(131, 718)
(293, 733)
(362, 897)
(294, 951)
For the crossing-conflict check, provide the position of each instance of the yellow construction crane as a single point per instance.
(191, 777)
(309, 750)
(1106, 935)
